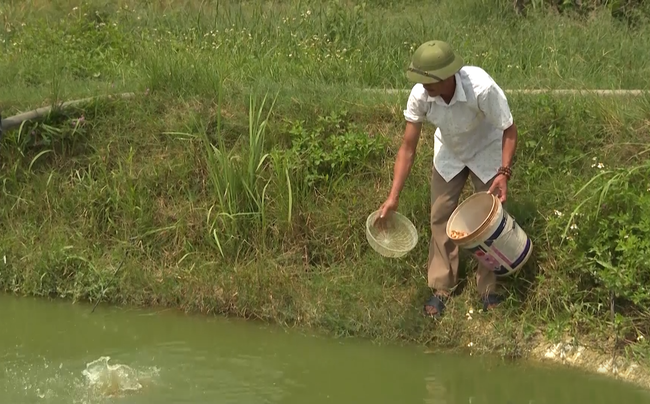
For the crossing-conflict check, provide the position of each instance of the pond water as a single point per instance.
(59, 352)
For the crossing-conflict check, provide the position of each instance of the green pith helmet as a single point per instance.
(433, 61)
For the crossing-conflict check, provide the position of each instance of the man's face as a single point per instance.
(445, 87)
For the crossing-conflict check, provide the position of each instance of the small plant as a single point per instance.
(332, 148)
(612, 232)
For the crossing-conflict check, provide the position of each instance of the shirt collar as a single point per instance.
(459, 94)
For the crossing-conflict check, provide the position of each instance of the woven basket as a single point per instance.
(395, 239)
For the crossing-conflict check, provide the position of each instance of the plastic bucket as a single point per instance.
(490, 233)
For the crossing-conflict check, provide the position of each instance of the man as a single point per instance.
(475, 137)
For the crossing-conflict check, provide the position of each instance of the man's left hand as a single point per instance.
(499, 187)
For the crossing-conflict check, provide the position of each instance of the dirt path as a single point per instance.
(540, 91)
(14, 121)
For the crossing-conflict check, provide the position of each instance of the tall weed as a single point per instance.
(237, 181)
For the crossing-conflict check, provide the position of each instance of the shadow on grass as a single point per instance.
(524, 210)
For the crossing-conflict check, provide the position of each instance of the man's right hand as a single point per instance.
(390, 205)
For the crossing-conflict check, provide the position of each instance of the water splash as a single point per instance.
(106, 380)
(35, 378)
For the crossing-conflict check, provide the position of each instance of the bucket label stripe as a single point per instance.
(504, 270)
(502, 257)
(506, 249)
(495, 258)
(523, 254)
(497, 232)
(487, 260)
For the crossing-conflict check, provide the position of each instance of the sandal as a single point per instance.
(438, 303)
(490, 301)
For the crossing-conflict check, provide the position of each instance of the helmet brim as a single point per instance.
(435, 76)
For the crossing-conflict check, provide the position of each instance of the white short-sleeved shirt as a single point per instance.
(469, 130)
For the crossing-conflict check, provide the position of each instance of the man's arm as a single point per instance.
(494, 104)
(403, 164)
(414, 114)
(509, 145)
(405, 158)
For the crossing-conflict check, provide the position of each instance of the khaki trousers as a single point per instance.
(443, 253)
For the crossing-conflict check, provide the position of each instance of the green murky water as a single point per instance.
(57, 352)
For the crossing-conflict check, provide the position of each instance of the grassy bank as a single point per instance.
(230, 202)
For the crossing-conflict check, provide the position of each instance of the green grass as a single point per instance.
(240, 178)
